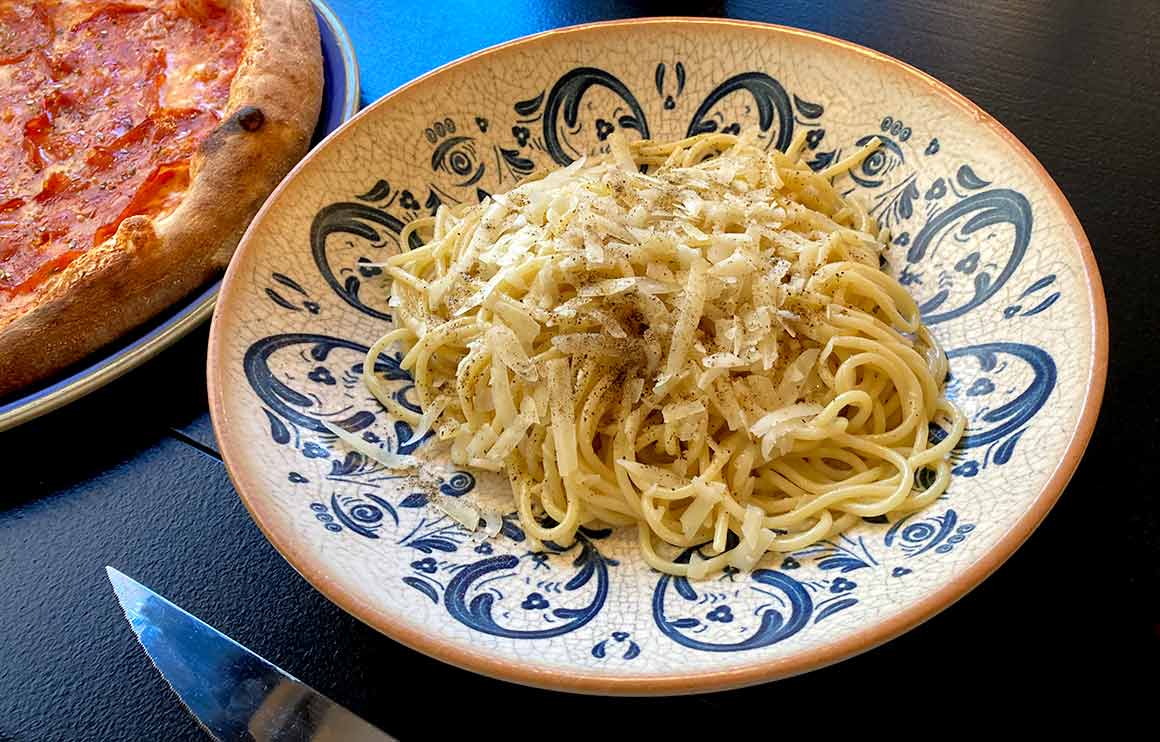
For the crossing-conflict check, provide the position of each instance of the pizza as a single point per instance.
(137, 140)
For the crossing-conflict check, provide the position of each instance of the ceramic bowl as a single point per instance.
(984, 240)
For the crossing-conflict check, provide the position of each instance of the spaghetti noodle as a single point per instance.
(694, 338)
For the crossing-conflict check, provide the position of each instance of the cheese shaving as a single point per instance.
(386, 458)
(694, 337)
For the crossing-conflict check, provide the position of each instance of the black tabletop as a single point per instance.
(130, 476)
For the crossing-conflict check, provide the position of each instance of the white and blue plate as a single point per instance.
(984, 240)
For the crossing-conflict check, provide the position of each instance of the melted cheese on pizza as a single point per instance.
(102, 105)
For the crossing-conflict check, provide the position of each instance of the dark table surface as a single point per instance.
(130, 475)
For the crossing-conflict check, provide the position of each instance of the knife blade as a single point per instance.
(233, 693)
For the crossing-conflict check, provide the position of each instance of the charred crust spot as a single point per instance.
(247, 118)
(250, 118)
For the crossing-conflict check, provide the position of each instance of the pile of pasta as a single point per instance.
(693, 338)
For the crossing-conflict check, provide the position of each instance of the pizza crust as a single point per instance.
(152, 263)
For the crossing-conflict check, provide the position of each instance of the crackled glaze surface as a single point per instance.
(983, 240)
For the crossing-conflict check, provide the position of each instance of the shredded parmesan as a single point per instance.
(694, 337)
(456, 509)
(386, 458)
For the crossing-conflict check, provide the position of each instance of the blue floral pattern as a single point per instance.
(842, 585)
(959, 238)
(631, 651)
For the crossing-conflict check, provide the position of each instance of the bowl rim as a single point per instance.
(760, 671)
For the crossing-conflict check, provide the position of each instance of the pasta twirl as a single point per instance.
(694, 338)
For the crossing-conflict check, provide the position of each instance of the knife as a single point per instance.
(233, 693)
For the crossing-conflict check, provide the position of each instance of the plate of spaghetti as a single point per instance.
(660, 371)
